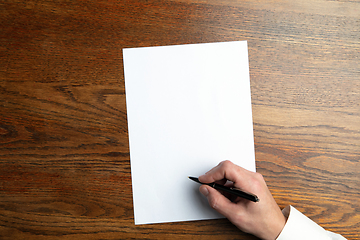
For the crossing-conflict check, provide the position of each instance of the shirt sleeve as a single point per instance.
(300, 227)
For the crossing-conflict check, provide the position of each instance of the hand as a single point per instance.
(263, 219)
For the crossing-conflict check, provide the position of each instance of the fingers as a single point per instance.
(218, 201)
(224, 170)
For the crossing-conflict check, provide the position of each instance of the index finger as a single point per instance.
(225, 170)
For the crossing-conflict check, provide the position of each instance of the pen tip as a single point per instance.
(195, 179)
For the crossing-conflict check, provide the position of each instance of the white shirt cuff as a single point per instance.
(300, 227)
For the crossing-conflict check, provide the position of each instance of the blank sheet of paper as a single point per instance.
(188, 108)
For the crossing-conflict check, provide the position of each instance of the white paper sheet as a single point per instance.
(188, 107)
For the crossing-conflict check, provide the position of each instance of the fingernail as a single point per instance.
(204, 191)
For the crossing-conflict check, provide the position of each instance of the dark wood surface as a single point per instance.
(64, 156)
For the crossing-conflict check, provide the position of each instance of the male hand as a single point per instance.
(263, 219)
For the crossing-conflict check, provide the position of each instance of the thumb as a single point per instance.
(217, 201)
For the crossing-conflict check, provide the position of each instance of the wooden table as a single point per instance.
(64, 155)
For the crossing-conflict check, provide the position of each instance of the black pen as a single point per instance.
(233, 191)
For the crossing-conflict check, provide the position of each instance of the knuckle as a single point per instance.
(259, 176)
(259, 182)
(226, 164)
(213, 202)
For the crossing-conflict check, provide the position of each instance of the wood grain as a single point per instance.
(64, 155)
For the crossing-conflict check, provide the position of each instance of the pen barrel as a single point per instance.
(236, 192)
